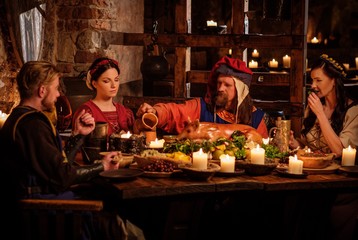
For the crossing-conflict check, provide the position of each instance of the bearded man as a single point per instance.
(227, 100)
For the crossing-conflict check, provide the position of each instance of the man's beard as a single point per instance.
(48, 105)
(221, 100)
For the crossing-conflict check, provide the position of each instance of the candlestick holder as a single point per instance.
(132, 145)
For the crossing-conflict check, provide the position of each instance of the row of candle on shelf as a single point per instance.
(286, 60)
(346, 65)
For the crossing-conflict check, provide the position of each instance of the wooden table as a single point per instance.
(144, 187)
(181, 208)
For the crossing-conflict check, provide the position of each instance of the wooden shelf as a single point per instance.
(258, 78)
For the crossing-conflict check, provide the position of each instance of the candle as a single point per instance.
(211, 23)
(286, 61)
(227, 163)
(346, 66)
(126, 135)
(273, 63)
(255, 54)
(258, 155)
(253, 64)
(230, 51)
(200, 160)
(266, 141)
(356, 62)
(295, 166)
(348, 156)
(306, 63)
(3, 117)
(314, 40)
(157, 143)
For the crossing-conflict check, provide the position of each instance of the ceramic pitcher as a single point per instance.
(281, 134)
(148, 125)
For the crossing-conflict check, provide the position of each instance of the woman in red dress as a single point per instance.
(103, 79)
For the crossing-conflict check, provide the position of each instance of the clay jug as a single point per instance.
(147, 124)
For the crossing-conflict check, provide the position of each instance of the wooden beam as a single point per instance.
(237, 19)
(224, 41)
(182, 52)
(258, 78)
(180, 69)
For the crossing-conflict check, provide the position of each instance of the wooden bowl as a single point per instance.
(200, 174)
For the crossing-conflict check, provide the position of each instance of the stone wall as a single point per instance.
(76, 33)
(8, 66)
(83, 29)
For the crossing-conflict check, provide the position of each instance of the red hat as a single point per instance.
(229, 66)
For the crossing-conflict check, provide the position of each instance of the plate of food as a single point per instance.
(122, 174)
(315, 160)
(151, 156)
(332, 168)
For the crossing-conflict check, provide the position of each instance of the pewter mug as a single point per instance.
(281, 134)
(95, 143)
(100, 131)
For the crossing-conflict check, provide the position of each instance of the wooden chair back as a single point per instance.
(56, 219)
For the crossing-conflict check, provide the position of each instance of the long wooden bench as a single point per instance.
(56, 219)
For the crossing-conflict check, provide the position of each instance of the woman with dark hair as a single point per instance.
(103, 79)
(331, 124)
(331, 117)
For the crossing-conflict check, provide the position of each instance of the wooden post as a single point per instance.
(182, 54)
(299, 19)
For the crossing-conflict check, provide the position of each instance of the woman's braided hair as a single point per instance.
(334, 64)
